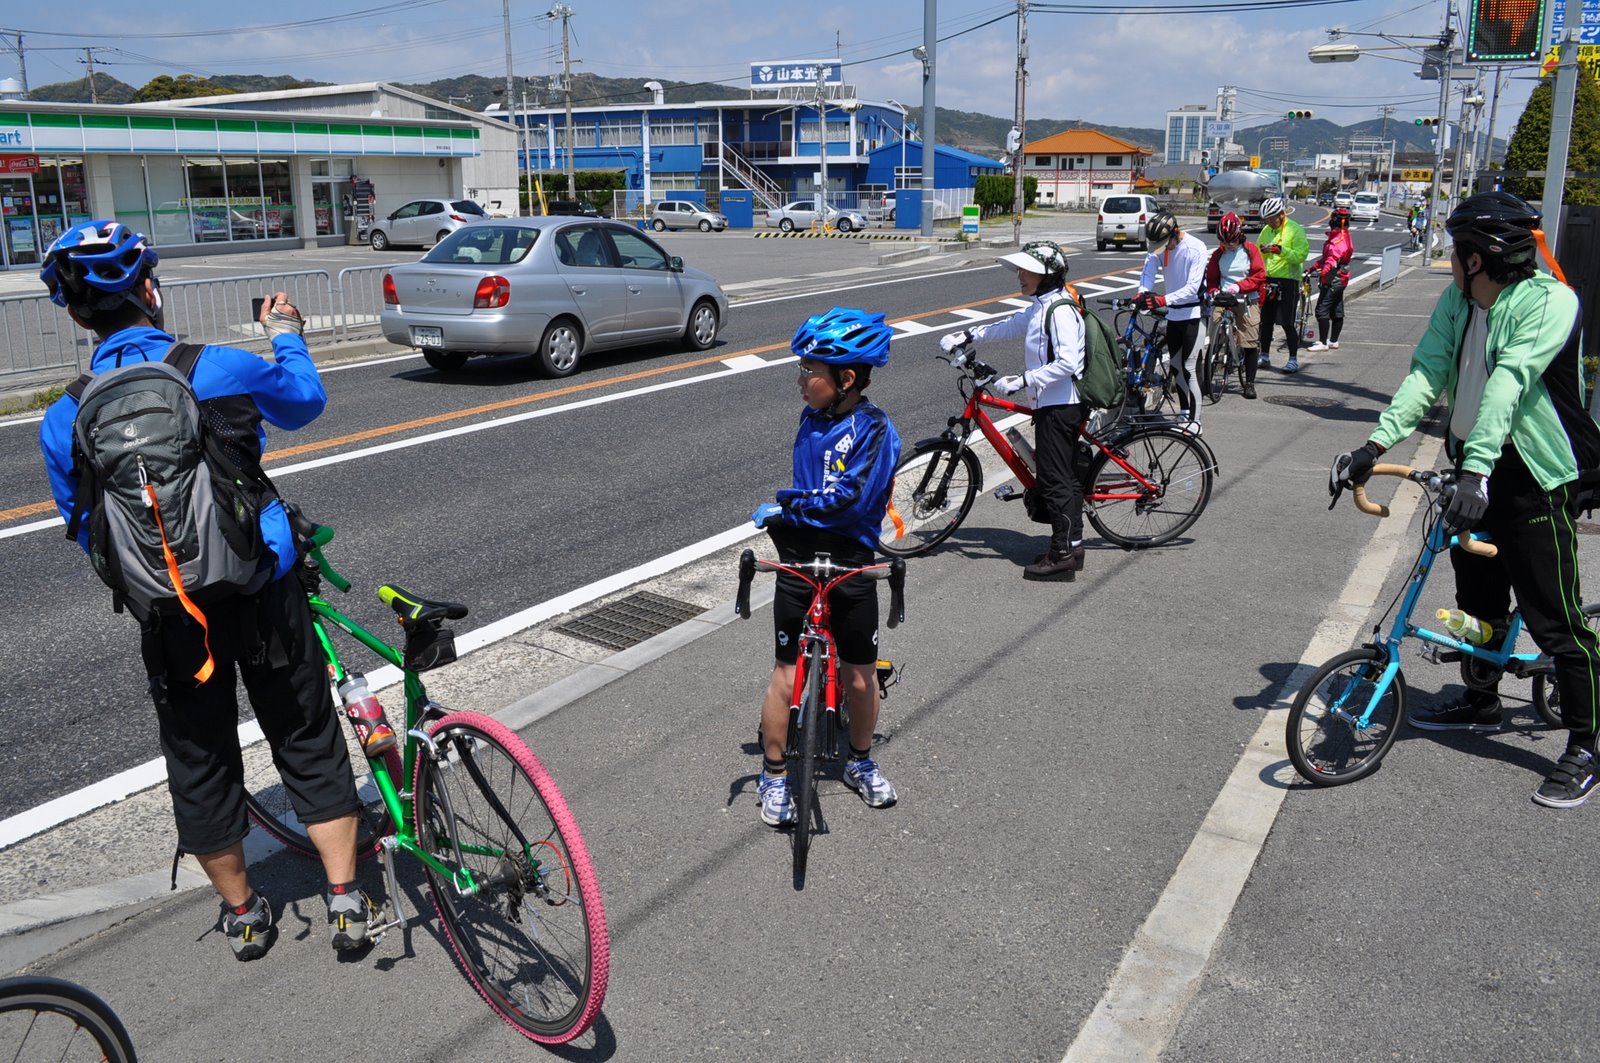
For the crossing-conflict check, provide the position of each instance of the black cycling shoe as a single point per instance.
(1472, 713)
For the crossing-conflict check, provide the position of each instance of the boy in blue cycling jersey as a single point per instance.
(845, 454)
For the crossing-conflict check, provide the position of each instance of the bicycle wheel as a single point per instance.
(1214, 369)
(1326, 746)
(1168, 494)
(269, 806)
(1546, 695)
(933, 491)
(532, 937)
(50, 1018)
(803, 770)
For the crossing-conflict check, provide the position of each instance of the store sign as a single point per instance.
(1416, 175)
(1588, 59)
(19, 164)
(1588, 30)
(811, 72)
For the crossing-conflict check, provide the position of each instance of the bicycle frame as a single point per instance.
(973, 412)
(1402, 628)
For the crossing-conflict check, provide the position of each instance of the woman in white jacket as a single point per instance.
(1051, 331)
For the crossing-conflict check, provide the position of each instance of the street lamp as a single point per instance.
(904, 112)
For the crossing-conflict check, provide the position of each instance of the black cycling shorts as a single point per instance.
(854, 603)
(268, 640)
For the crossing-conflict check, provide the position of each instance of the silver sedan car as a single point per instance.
(553, 287)
(802, 214)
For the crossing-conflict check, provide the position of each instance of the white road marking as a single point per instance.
(746, 362)
(914, 328)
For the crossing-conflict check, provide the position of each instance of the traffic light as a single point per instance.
(1429, 121)
(1298, 114)
(1505, 31)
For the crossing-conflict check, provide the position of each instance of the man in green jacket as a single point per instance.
(1503, 345)
(1284, 248)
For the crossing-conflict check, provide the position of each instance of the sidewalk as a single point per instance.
(1057, 748)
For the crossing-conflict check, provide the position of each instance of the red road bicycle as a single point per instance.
(818, 711)
(1145, 481)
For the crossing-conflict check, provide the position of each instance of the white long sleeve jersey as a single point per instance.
(1050, 382)
(1184, 271)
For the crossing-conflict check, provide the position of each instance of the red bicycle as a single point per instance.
(818, 709)
(1144, 479)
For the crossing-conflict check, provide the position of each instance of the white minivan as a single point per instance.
(1365, 207)
(1121, 220)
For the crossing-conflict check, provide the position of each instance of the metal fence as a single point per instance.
(37, 336)
(1389, 271)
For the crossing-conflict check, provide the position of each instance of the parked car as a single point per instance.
(555, 288)
(1121, 220)
(802, 214)
(681, 214)
(1366, 206)
(570, 207)
(423, 221)
(1343, 199)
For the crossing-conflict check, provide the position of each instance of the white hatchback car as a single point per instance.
(1366, 207)
(1121, 220)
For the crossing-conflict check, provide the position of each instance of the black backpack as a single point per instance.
(172, 489)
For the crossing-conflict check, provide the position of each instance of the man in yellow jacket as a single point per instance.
(1284, 248)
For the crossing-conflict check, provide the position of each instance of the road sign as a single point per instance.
(1222, 129)
(970, 215)
(1416, 175)
(1588, 58)
(1588, 33)
(1255, 162)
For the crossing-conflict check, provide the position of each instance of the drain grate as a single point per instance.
(1311, 401)
(629, 621)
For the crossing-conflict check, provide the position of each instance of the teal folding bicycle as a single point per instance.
(1349, 713)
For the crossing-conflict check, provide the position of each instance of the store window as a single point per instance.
(128, 193)
(246, 207)
(208, 198)
(169, 198)
(61, 196)
(277, 192)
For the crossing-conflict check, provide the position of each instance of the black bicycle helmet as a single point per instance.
(1160, 227)
(1497, 225)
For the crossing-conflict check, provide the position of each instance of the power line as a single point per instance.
(1184, 8)
(399, 5)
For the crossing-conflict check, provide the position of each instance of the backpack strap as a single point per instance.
(1070, 297)
(183, 356)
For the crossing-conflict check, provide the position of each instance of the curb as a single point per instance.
(805, 235)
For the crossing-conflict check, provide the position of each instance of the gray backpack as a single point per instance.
(173, 510)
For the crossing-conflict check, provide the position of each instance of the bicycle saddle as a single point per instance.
(414, 608)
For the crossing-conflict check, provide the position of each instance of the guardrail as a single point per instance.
(37, 336)
(1389, 270)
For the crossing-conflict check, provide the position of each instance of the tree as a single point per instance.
(1530, 144)
(184, 86)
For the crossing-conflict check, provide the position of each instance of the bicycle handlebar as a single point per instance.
(824, 568)
(1426, 478)
(313, 537)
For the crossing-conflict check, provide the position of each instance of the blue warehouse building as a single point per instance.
(749, 155)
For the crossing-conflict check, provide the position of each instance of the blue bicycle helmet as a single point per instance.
(94, 265)
(844, 336)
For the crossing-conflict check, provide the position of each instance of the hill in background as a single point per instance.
(981, 133)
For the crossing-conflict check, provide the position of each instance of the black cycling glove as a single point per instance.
(1353, 468)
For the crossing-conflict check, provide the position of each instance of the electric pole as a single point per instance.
(1017, 156)
(22, 62)
(564, 13)
(516, 124)
(88, 57)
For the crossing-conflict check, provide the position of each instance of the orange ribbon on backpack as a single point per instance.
(189, 607)
(1549, 259)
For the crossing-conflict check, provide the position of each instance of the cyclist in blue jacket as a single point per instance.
(103, 274)
(845, 454)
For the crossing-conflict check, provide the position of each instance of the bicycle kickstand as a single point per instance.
(393, 903)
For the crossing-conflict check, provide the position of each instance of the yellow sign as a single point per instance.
(1416, 175)
(1255, 162)
(1588, 58)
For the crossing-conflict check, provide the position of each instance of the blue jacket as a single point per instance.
(843, 469)
(286, 392)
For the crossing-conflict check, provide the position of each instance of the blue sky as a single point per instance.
(1117, 69)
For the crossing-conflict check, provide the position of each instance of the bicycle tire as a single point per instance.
(1124, 511)
(26, 1000)
(537, 952)
(803, 772)
(270, 809)
(933, 490)
(1326, 749)
(1215, 369)
(1546, 695)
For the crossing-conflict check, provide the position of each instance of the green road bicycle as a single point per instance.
(509, 873)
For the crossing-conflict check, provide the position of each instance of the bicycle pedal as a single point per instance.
(1007, 493)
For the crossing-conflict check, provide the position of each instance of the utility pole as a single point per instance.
(1494, 110)
(1561, 104)
(564, 13)
(1447, 38)
(522, 143)
(88, 57)
(1017, 201)
(927, 52)
(22, 63)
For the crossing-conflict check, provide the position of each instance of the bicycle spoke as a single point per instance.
(1156, 490)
